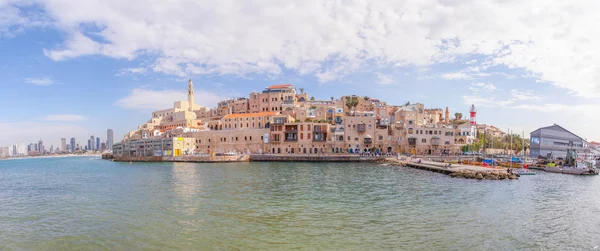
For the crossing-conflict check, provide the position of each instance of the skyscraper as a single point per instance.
(109, 139)
(98, 143)
(91, 143)
(63, 144)
(41, 146)
(72, 144)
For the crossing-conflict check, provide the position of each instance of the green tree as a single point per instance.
(352, 103)
(332, 98)
(312, 98)
(301, 90)
(366, 98)
(407, 103)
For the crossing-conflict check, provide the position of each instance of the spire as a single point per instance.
(447, 116)
(191, 95)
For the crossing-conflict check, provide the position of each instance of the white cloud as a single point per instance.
(476, 87)
(384, 79)
(132, 71)
(39, 81)
(455, 76)
(556, 43)
(141, 98)
(64, 117)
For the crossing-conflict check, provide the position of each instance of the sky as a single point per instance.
(76, 68)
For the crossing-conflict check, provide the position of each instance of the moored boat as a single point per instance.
(572, 165)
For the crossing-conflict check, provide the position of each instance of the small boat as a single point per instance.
(572, 165)
(524, 172)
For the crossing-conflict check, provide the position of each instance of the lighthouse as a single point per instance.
(473, 113)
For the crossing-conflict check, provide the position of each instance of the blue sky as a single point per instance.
(74, 69)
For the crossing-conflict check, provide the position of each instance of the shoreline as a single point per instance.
(53, 156)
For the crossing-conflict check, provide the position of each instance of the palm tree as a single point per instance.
(352, 102)
(312, 98)
(332, 98)
(456, 115)
(301, 90)
(407, 103)
(460, 115)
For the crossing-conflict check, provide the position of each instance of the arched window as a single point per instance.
(380, 137)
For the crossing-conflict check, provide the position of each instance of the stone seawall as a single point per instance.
(199, 159)
(254, 158)
(312, 158)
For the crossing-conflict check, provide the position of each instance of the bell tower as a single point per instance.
(191, 95)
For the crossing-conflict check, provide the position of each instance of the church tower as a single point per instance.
(191, 95)
(447, 116)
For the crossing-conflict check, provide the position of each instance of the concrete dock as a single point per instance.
(455, 170)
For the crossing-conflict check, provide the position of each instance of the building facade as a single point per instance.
(553, 141)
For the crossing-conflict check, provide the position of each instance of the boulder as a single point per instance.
(479, 176)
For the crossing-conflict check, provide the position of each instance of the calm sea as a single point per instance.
(92, 204)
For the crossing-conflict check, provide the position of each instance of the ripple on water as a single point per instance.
(77, 203)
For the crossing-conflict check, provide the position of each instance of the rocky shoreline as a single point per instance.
(454, 170)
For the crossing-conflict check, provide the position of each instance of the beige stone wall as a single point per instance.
(222, 141)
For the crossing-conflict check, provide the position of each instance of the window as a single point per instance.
(301, 135)
(250, 138)
(424, 140)
(348, 137)
(380, 137)
(410, 131)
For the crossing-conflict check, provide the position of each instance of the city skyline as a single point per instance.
(114, 75)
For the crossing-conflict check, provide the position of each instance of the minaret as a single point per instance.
(447, 116)
(191, 95)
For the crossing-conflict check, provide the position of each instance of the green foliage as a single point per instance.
(352, 102)
(366, 98)
(301, 90)
(312, 98)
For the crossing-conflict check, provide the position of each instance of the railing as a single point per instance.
(368, 141)
(361, 127)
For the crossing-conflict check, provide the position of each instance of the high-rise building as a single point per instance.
(4, 152)
(51, 148)
(72, 144)
(91, 143)
(63, 144)
(109, 139)
(98, 143)
(103, 146)
(41, 146)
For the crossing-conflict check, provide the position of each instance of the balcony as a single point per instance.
(361, 127)
(279, 121)
(291, 130)
(412, 141)
(435, 141)
(288, 102)
(319, 137)
(368, 139)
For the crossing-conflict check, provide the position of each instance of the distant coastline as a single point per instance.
(55, 156)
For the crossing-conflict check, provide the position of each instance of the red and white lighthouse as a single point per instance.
(473, 113)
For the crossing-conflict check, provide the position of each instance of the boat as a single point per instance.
(572, 165)
(524, 172)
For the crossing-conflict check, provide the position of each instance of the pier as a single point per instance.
(454, 170)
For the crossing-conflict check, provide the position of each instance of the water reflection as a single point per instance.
(186, 186)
